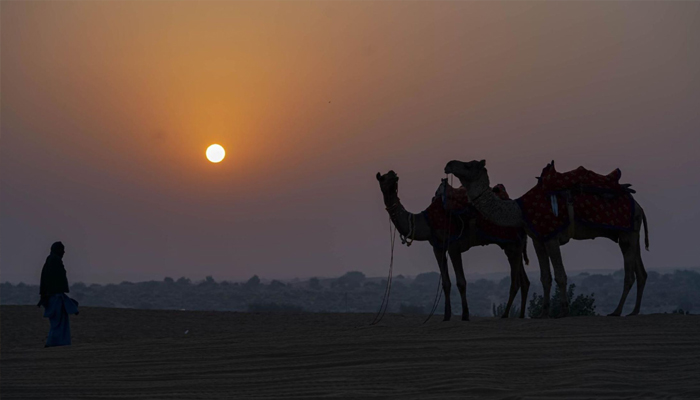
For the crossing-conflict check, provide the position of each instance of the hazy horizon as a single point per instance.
(107, 109)
(532, 270)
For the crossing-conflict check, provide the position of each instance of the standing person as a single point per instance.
(53, 289)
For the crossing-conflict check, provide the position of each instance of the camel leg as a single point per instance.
(554, 252)
(524, 289)
(456, 257)
(630, 258)
(442, 263)
(545, 275)
(641, 273)
(513, 258)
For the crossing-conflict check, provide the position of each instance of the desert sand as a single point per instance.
(135, 354)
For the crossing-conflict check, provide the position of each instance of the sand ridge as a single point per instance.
(144, 354)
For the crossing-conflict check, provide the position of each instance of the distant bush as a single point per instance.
(315, 284)
(275, 284)
(350, 280)
(581, 306)
(427, 278)
(253, 282)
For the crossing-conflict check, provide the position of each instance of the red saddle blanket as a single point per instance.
(598, 201)
(451, 209)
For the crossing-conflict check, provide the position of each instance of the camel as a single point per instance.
(415, 227)
(474, 177)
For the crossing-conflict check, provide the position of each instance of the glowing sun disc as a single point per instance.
(215, 153)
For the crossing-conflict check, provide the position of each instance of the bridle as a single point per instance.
(409, 238)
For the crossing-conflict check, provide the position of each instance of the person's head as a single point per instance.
(58, 249)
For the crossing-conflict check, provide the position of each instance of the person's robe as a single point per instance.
(57, 309)
(57, 306)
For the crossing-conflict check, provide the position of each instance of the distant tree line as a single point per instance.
(354, 292)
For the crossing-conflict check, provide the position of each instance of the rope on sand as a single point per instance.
(436, 302)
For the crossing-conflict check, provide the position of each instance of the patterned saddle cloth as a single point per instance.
(451, 209)
(596, 200)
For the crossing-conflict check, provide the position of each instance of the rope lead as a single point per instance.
(387, 290)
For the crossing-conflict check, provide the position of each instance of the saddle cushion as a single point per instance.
(581, 179)
(598, 201)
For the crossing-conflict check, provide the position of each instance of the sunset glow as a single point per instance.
(310, 100)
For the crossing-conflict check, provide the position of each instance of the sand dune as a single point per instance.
(125, 354)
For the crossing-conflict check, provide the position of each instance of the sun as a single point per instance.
(215, 153)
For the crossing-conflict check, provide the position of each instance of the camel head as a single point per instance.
(466, 172)
(388, 183)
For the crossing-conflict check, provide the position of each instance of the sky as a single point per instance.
(107, 108)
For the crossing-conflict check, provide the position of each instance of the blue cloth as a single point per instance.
(57, 308)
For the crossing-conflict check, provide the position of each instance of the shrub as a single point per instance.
(582, 305)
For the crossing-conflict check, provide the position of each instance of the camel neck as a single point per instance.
(413, 226)
(500, 212)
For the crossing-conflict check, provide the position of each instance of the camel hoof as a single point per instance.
(446, 318)
(465, 318)
(614, 314)
(504, 316)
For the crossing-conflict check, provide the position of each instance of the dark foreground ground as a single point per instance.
(125, 354)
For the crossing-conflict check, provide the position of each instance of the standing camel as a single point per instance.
(417, 227)
(474, 177)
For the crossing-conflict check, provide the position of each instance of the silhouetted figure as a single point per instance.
(53, 289)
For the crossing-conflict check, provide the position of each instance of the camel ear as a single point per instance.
(482, 163)
(379, 176)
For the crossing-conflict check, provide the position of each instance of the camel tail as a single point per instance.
(646, 230)
(527, 260)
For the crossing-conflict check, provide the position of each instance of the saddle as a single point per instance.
(582, 180)
(560, 200)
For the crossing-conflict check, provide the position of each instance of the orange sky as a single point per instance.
(107, 108)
